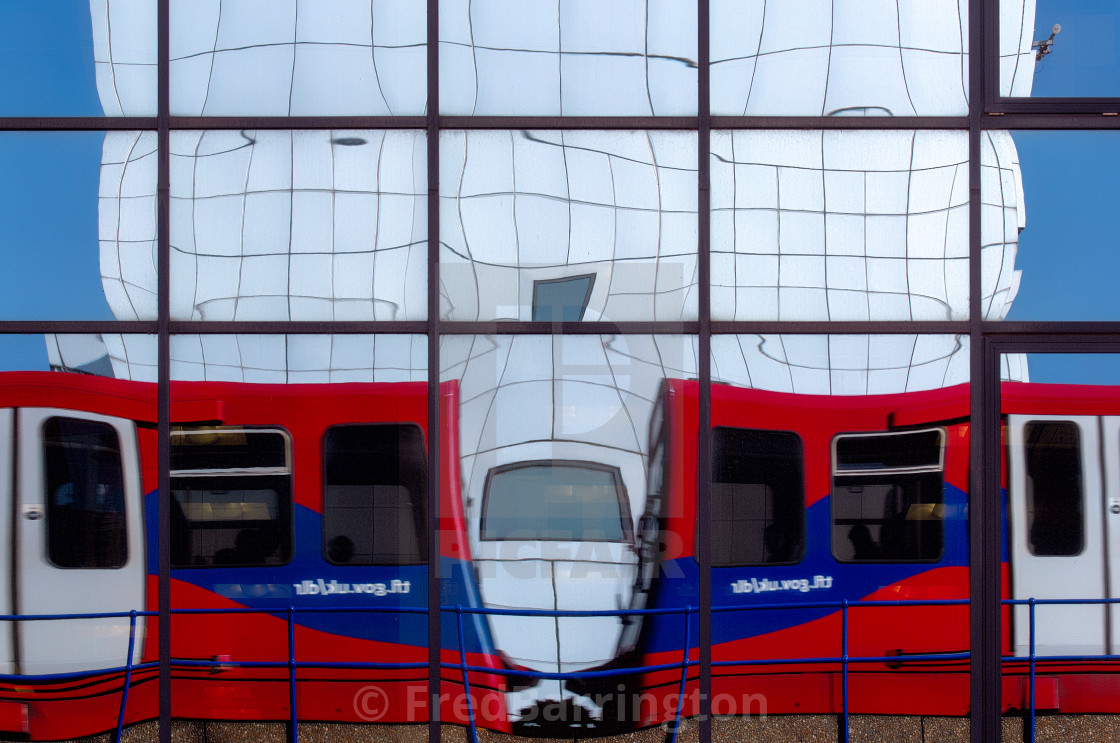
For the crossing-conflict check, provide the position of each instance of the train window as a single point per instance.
(374, 495)
(556, 501)
(888, 497)
(758, 497)
(1054, 501)
(231, 498)
(85, 494)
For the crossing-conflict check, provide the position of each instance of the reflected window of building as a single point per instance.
(561, 300)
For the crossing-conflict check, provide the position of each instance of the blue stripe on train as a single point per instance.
(308, 580)
(790, 584)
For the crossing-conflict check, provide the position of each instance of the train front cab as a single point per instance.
(1062, 542)
(814, 500)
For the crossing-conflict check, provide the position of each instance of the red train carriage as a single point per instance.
(311, 499)
(301, 496)
(821, 500)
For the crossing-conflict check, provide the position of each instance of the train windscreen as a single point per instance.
(556, 501)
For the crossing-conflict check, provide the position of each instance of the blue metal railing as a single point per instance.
(127, 668)
(844, 659)
(1032, 657)
(289, 613)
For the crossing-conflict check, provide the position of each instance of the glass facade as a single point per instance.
(572, 368)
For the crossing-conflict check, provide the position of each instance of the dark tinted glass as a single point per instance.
(1055, 518)
(758, 496)
(556, 502)
(920, 449)
(231, 498)
(884, 511)
(227, 450)
(85, 494)
(375, 486)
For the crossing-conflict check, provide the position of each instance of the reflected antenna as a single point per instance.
(1046, 46)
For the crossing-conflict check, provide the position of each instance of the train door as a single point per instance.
(78, 539)
(1058, 549)
(7, 477)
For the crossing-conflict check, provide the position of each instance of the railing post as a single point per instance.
(293, 733)
(844, 669)
(684, 673)
(1030, 714)
(463, 668)
(127, 675)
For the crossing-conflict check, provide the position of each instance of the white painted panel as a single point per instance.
(59, 646)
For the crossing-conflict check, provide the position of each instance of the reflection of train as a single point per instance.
(820, 499)
(313, 496)
(299, 495)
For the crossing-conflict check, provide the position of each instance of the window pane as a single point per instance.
(1055, 258)
(845, 225)
(556, 437)
(1067, 48)
(842, 438)
(295, 225)
(569, 58)
(521, 208)
(817, 58)
(227, 450)
(556, 501)
(53, 62)
(298, 59)
(85, 494)
(375, 493)
(758, 497)
(888, 512)
(50, 201)
(840, 364)
(914, 451)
